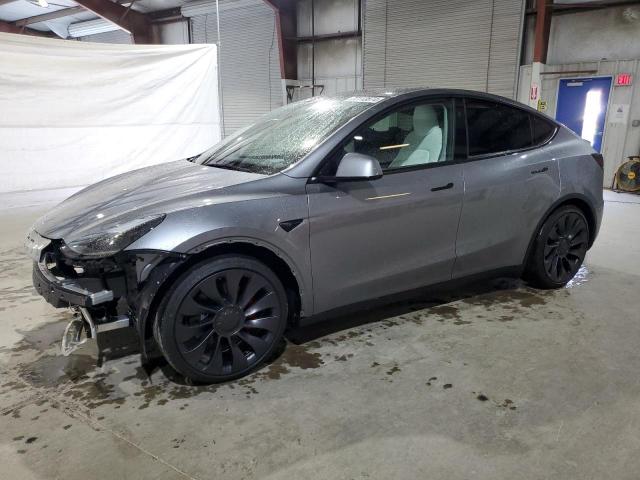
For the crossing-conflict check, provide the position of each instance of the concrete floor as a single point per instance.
(496, 381)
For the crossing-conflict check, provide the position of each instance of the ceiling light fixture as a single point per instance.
(43, 3)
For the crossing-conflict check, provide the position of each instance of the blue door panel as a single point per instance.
(583, 102)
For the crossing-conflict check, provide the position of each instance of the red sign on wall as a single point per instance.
(624, 79)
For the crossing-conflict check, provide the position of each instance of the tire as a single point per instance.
(221, 319)
(559, 249)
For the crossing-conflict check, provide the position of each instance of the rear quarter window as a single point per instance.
(494, 128)
(543, 130)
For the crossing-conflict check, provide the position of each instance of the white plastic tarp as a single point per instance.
(73, 113)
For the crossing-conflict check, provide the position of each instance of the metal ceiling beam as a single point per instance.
(49, 16)
(11, 28)
(135, 23)
(4, 2)
(563, 8)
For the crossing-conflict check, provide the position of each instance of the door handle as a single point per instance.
(542, 170)
(443, 187)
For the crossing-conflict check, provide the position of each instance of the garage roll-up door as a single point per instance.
(116, 36)
(470, 44)
(249, 56)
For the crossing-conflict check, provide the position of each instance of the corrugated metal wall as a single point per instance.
(116, 36)
(249, 59)
(472, 44)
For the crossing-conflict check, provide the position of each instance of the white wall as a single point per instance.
(331, 16)
(607, 34)
(174, 33)
(590, 36)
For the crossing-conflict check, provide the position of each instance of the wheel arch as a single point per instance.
(268, 255)
(579, 201)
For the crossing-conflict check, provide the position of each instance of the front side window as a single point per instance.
(284, 136)
(494, 128)
(411, 136)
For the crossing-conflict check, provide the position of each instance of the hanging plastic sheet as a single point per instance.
(73, 113)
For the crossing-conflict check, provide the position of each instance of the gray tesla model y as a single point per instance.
(324, 203)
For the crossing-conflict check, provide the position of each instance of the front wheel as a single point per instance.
(559, 248)
(222, 319)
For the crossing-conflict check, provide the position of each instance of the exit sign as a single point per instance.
(624, 79)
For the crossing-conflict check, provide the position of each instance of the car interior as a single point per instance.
(409, 137)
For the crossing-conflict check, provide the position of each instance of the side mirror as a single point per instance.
(355, 167)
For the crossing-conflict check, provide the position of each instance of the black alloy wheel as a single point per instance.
(566, 247)
(223, 319)
(560, 248)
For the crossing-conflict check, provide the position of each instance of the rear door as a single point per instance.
(374, 238)
(509, 185)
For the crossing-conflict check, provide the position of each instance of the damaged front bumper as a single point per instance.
(63, 292)
(106, 293)
(58, 290)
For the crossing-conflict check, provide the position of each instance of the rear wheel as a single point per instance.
(559, 248)
(222, 319)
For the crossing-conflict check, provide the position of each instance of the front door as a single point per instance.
(582, 106)
(374, 238)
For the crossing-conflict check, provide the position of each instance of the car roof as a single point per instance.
(400, 94)
(390, 93)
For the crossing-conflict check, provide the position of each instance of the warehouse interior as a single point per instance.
(492, 379)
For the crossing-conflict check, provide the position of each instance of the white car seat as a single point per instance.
(425, 140)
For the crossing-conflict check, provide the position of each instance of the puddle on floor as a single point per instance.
(111, 375)
(582, 276)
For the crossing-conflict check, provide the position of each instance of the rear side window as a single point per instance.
(494, 128)
(543, 130)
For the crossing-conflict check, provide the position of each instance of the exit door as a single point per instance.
(582, 106)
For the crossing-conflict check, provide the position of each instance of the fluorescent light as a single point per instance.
(592, 110)
(43, 3)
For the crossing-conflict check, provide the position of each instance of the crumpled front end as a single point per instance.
(108, 293)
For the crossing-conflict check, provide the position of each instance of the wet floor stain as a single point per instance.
(13, 261)
(11, 297)
(510, 299)
(52, 370)
(87, 379)
(507, 403)
(446, 312)
(393, 370)
(343, 358)
(294, 356)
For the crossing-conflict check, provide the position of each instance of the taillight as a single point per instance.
(599, 159)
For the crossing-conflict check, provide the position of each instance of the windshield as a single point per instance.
(284, 136)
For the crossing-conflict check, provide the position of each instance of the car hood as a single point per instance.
(159, 189)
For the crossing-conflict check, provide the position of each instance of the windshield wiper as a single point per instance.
(227, 167)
